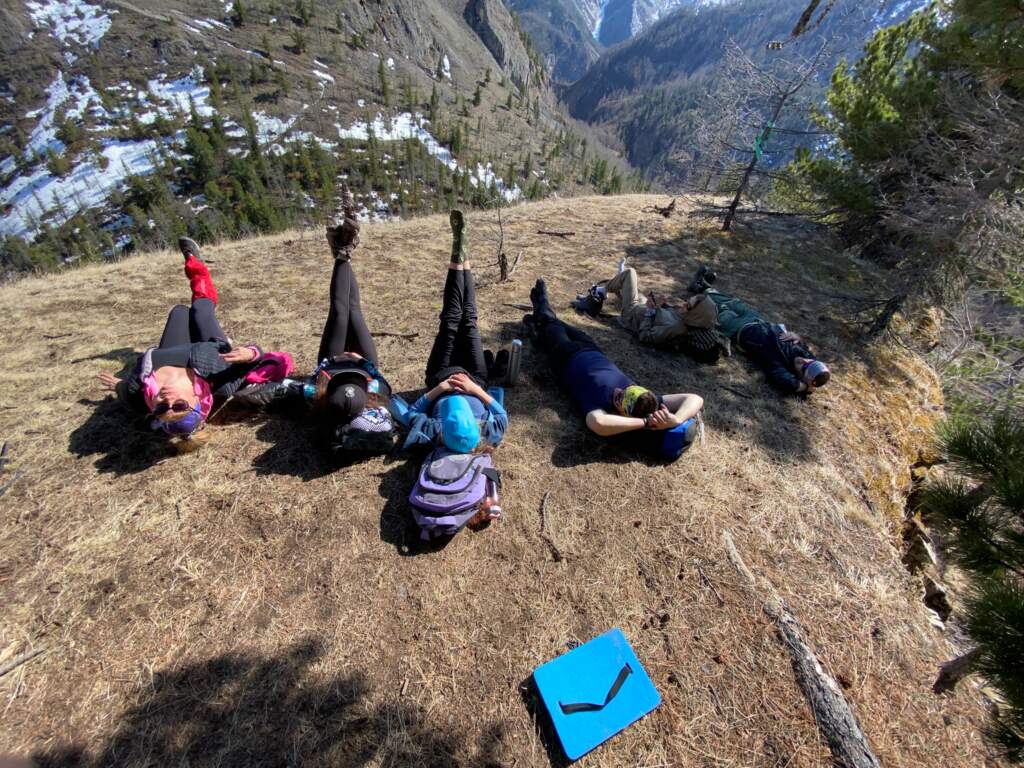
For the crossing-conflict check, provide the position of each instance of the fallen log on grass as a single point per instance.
(552, 233)
(832, 713)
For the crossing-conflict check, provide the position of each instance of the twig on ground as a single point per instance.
(555, 552)
(554, 233)
(710, 585)
(17, 476)
(832, 712)
(21, 658)
(4, 458)
(395, 335)
(735, 391)
(524, 307)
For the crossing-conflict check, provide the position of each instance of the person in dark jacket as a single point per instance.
(612, 403)
(348, 389)
(788, 363)
(177, 380)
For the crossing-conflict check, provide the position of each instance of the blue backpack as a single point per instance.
(449, 491)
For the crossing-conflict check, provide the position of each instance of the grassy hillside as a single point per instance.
(247, 604)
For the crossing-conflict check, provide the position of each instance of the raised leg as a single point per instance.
(176, 329)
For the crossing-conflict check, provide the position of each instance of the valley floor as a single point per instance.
(246, 604)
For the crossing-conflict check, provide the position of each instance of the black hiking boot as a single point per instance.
(591, 302)
(541, 305)
(188, 247)
(703, 280)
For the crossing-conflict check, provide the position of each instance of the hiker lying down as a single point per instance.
(175, 382)
(688, 326)
(614, 405)
(787, 361)
(457, 411)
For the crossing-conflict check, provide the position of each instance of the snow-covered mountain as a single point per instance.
(620, 20)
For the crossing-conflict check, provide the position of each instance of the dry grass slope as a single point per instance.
(246, 605)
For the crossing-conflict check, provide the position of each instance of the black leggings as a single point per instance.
(457, 347)
(185, 326)
(561, 341)
(346, 329)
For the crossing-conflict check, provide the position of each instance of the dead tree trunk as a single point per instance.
(730, 215)
(832, 713)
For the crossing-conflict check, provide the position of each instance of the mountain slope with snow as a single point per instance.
(118, 117)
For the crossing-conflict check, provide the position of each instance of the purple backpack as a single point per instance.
(449, 491)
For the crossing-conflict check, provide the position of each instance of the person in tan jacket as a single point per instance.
(689, 326)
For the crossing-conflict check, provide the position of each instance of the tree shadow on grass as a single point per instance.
(245, 710)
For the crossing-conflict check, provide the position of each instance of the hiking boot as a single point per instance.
(189, 247)
(498, 368)
(458, 222)
(703, 280)
(590, 303)
(343, 237)
(541, 304)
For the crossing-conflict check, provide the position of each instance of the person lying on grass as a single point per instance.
(349, 394)
(612, 402)
(177, 380)
(457, 410)
(688, 327)
(788, 363)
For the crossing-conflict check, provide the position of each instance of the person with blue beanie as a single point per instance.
(457, 411)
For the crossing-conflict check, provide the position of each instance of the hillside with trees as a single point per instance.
(128, 125)
(651, 94)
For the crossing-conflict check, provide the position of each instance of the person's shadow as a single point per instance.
(240, 710)
(122, 440)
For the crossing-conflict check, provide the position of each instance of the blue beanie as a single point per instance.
(459, 428)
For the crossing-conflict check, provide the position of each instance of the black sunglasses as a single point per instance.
(178, 406)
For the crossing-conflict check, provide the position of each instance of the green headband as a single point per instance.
(630, 395)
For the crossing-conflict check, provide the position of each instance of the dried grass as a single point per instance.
(245, 605)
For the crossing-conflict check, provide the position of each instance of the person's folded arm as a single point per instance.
(606, 424)
(497, 422)
(684, 406)
(783, 379)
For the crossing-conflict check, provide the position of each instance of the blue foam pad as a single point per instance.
(575, 690)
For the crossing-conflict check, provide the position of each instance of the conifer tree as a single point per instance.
(434, 101)
(981, 508)
(477, 96)
(385, 87)
(238, 13)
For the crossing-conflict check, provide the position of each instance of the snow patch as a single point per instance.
(71, 21)
(409, 126)
(270, 128)
(446, 67)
